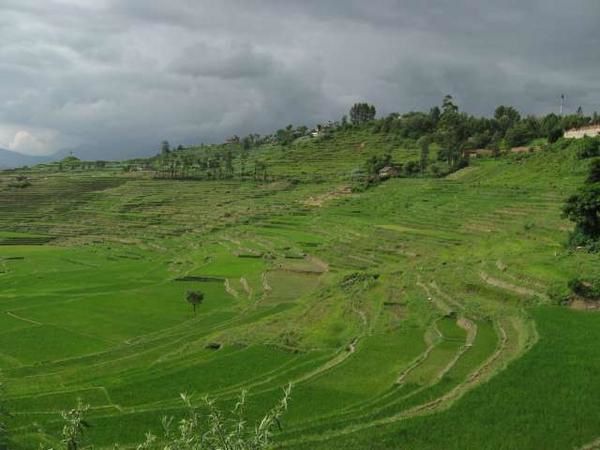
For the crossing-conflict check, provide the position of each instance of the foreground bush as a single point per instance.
(212, 429)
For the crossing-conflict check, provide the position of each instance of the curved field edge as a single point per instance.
(386, 308)
(542, 400)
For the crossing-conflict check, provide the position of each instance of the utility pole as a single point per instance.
(562, 103)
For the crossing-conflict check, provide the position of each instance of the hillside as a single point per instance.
(9, 160)
(415, 313)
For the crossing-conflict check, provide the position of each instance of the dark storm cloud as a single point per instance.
(112, 78)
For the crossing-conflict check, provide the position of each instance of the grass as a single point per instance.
(545, 391)
(448, 342)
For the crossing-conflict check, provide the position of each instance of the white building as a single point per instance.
(578, 133)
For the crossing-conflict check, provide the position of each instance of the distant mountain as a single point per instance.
(10, 160)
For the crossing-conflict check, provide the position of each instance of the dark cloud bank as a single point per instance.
(111, 78)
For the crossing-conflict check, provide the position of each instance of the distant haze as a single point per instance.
(112, 78)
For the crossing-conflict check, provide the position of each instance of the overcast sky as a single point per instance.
(112, 78)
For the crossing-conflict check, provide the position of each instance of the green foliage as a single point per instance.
(587, 147)
(359, 280)
(452, 133)
(361, 113)
(20, 182)
(594, 172)
(412, 168)
(110, 326)
(219, 431)
(519, 135)
(559, 293)
(194, 298)
(588, 289)
(286, 136)
(74, 428)
(583, 208)
(424, 144)
(377, 162)
(506, 118)
(554, 135)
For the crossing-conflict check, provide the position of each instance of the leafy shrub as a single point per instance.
(412, 168)
(461, 164)
(20, 182)
(439, 170)
(518, 135)
(585, 288)
(218, 431)
(555, 134)
(594, 173)
(587, 147)
(559, 293)
(360, 280)
(213, 430)
(583, 209)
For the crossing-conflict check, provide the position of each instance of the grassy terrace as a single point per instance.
(453, 345)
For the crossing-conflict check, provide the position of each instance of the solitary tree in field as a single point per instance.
(195, 298)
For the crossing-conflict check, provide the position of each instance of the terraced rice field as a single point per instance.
(414, 315)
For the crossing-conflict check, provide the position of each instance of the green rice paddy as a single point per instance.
(413, 315)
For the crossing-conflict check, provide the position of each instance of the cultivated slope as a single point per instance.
(412, 315)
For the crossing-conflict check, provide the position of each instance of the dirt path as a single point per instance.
(459, 306)
(230, 290)
(246, 287)
(265, 283)
(519, 290)
(436, 300)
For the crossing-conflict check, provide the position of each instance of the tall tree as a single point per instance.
(506, 117)
(452, 132)
(194, 298)
(435, 114)
(362, 113)
(583, 209)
